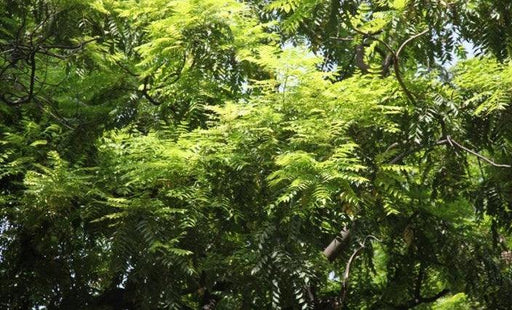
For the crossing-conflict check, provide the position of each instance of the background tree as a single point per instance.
(205, 154)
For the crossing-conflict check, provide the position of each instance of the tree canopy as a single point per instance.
(285, 154)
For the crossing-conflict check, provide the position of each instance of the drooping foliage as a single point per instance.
(184, 154)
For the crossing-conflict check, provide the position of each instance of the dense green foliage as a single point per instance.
(185, 154)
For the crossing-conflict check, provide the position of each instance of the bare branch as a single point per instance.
(396, 68)
(409, 40)
(453, 142)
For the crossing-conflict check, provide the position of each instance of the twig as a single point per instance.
(32, 76)
(342, 38)
(176, 74)
(414, 150)
(453, 142)
(393, 145)
(55, 114)
(145, 93)
(370, 35)
(126, 69)
(409, 40)
(70, 47)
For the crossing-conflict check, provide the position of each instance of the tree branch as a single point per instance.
(396, 58)
(145, 93)
(338, 244)
(422, 300)
(70, 47)
(414, 150)
(487, 160)
(32, 79)
(32, 76)
(452, 143)
(346, 273)
(409, 40)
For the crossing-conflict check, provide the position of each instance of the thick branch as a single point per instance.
(338, 244)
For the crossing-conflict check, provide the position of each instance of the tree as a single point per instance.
(210, 154)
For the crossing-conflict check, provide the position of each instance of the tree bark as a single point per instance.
(338, 244)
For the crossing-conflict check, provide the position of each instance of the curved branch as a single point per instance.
(407, 92)
(409, 40)
(145, 93)
(346, 273)
(126, 69)
(370, 35)
(396, 58)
